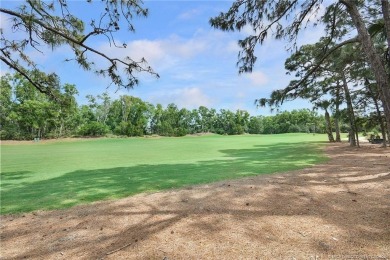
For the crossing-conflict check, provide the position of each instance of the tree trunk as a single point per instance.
(378, 112)
(351, 115)
(337, 115)
(61, 128)
(357, 135)
(337, 129)
(381, 123)
(328, 126)
(373, 58)
(386, 20)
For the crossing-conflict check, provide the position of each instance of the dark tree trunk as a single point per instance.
(386, 20)
(337, 129)
(378, 112)
(337, 115)
(351, 115)
(61, 128)
(373, 57)
(328, 126)
(381, 123)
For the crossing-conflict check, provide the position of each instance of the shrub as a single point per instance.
(294, 129)
(93, 129)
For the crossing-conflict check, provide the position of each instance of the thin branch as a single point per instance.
(333, 27)
(94, 32)
(25, 75)
(130, 64)
(280, 17)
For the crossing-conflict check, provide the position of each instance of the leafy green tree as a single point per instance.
(139, 116)
(7, 125)
(30, 108)
(29, 113)
(255, 125)
(156, 124)
(230, 123)
(67, 112)
(128, 116)
(242, 121)
(85, 114)
(333, 77)
(225, 122)
(270, 126)
(103, 109)
(194, 122)
(171, 121)
(207, 119)
(114, 115)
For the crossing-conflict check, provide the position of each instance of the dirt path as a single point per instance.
(337, 210)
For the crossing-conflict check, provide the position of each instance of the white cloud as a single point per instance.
(184, 75)
(161, 54)
(257, 78)
(189, 97)
(152, 50)
(4, 70)
(192, 97)
(232, 46)
(240, 106)
(167, 55)
(189, 14)
(186, 48)
(241, 94)
(247, 30)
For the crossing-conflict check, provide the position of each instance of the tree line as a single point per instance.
(27, 113)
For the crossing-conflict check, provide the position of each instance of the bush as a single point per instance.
(93, 129)
(294, 129)
(180, 131)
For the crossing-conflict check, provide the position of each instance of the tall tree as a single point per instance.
(324, 104)
(370, 98)
(373, 58)
(286, 18)
(7, 126)
(27, 113)
(343, 66)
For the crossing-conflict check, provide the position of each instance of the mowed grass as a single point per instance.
(65, 173)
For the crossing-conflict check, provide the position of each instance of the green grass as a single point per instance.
(62, 174)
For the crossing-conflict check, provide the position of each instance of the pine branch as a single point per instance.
(319, 63)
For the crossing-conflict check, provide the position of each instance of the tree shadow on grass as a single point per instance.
(84, 186)
(326, 199)
(13, 180)
(12, 176)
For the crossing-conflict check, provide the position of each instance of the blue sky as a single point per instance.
(197, 63)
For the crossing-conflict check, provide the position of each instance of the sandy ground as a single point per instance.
(336, 210)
